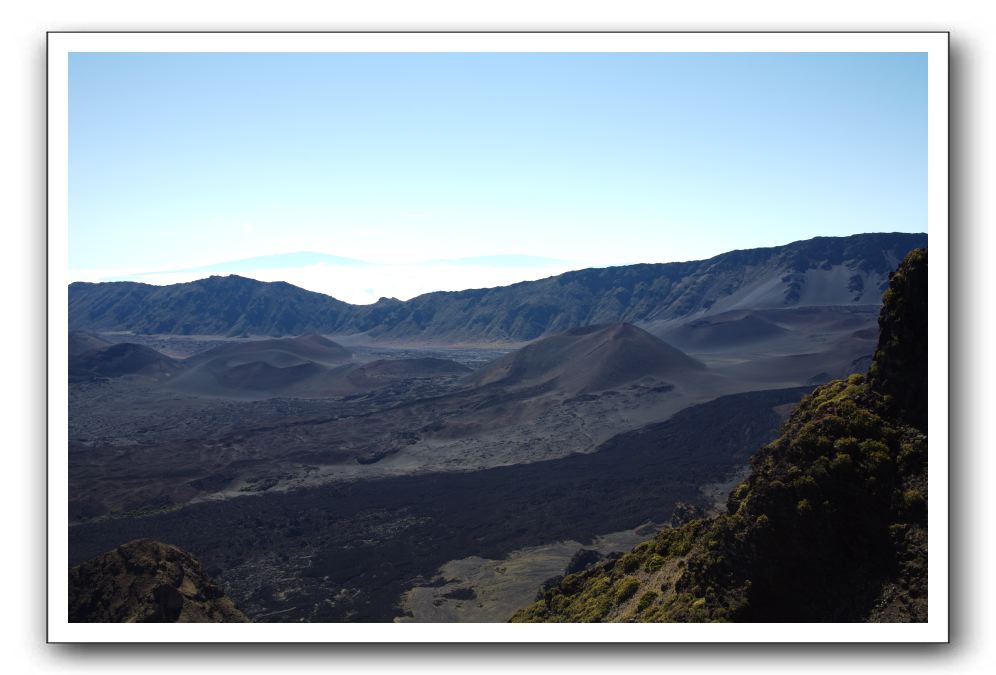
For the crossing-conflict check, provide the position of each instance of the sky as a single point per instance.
(527, 164)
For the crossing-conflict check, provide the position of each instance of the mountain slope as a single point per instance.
(830, 525)
(820, 271)
(587, 359)
(311, 347)
(81, 342)
(124, 358)
(260, 367)
(824, 271)
(147, 581)
(733, 329)
(304, 366)
(229, 305)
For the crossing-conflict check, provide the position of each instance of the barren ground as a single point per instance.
(430, 499)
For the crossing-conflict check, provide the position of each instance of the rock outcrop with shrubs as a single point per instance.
(831, 524)
(147, 581)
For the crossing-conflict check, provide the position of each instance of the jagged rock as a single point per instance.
(685, 513)
(147, 581)
(583, 559)
(899, 367)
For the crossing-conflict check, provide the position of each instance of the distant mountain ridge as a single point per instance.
(817, 272)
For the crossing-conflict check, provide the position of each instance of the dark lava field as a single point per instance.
(347, 551)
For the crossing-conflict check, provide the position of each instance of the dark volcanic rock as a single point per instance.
(899, 368)
(685, 513)
(461, 594)
(147, 581)
(583, 559)
(413, 525)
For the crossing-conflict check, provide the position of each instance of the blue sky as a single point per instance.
(180, 161)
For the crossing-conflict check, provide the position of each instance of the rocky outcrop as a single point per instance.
(147, 581)
(831, 524)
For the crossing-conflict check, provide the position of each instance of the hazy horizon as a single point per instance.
(364, 282)
(185, 161)
(317, 272)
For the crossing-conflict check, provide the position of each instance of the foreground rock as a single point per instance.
(147, 581)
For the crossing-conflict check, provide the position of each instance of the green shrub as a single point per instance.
(654, 563)
(630, 562)
(914, 500)
(841, 462)
(846, 444)
(912, 454)
(874, 447)
(678, 541)
(646, 600)
(627, 587)
(597, 586)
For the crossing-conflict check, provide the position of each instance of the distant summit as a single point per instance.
(270, 262)
(507, 260)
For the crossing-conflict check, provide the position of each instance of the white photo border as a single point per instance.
(934, 44)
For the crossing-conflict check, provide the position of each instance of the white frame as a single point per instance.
(934, 44)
